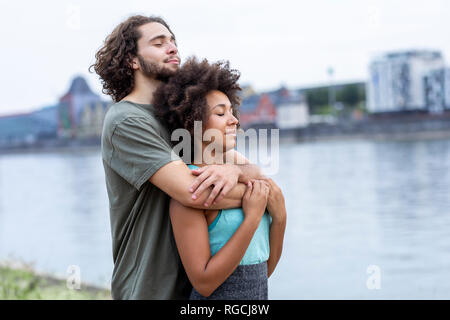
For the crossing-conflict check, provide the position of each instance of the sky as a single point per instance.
(45, 43)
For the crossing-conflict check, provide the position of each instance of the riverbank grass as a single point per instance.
(23, 283)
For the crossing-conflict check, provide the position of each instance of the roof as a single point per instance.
(250, 103)
(79, 86)
(22, 125)
(279, 97)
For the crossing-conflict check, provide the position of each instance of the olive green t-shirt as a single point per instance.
(146, 261)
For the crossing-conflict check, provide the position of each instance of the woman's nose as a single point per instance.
(233, 119)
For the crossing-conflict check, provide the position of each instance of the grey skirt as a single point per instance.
(247, 282)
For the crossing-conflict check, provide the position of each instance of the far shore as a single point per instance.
(409, 136)
(415, 136)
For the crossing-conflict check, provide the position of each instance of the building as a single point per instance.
(25, 129)
(79, 114)
(257, 109)
(396, 80)
(437, 90)
(292, 109)
(80, 111)
(281, 108)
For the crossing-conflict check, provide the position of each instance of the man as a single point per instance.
(141, 173)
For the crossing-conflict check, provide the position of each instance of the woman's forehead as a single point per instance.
(216, 97)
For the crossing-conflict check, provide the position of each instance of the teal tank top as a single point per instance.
(227, 222)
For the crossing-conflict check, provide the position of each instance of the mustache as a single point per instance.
(173, 58)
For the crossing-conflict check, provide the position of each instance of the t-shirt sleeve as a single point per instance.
(138, 150)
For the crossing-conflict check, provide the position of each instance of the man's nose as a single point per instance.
(172, 49)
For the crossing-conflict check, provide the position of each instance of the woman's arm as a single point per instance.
(277, 210)
(276, 235)
(190, 229)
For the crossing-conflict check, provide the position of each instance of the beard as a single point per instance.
(154, 70)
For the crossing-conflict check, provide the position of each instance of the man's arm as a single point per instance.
(249, 171)
(137, 152)
(175, 178)
(234, 162)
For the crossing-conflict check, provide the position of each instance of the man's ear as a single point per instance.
(134, 63)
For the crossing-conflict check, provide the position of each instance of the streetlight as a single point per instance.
(331, 91)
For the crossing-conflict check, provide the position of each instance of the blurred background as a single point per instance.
(360, 93)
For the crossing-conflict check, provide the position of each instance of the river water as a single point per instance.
(366, 219)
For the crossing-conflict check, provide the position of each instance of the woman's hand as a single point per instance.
(255, 199)
(275, 202)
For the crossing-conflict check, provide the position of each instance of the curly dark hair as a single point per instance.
(113, 59)
(182, 100)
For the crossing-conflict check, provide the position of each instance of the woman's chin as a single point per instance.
(229, 146)
(230, 142)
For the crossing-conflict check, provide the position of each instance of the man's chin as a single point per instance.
(166, 74)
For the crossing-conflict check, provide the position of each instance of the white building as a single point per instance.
(396, 80)
(437, 90)
(292, 111)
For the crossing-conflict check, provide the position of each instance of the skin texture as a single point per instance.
(190, 226)
(222, 125)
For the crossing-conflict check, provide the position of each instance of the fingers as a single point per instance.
(225, 189)
(256, 187)
(205, 184)
(261, 189)
(268, 181)
(248, 191)
(215, 191)
(273, 187)
(264, 189)
(261, 186)
(198, 181)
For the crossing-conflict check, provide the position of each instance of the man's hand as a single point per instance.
(223, 177)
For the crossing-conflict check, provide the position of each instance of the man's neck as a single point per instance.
(143, 90)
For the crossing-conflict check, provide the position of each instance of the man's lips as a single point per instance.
(174, 61)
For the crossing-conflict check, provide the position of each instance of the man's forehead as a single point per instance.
(153, 29)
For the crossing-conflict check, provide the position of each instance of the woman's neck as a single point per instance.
(212, 158)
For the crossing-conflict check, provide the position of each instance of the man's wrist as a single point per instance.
(241, 174)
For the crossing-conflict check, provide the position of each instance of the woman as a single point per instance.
(227, 254)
